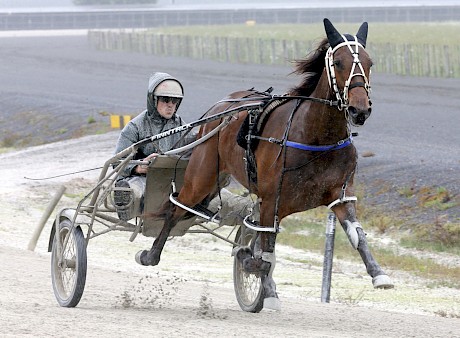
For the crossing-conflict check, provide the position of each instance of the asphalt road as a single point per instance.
(59, 82)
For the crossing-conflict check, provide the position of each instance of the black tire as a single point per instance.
(248, 287)
(68, 269)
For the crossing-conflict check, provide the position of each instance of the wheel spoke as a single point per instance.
(68, 280)
(251, 286)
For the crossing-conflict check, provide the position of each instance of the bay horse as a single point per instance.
(304, 157)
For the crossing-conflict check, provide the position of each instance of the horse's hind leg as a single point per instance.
(199, 182)
(347, 216)
(152, 257)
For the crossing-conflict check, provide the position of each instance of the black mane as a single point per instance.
(311, 67)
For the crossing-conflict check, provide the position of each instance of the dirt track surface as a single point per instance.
(413, 139)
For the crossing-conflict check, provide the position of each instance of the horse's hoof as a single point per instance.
(382, 282)
(242, 253)
(138, 255)
(256, 266)
(272, 303)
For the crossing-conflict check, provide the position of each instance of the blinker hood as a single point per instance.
(334, 37)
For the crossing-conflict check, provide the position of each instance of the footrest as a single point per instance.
(201, 209)
(254, 225)
(198, 210)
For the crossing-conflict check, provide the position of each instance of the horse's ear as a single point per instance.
(333, 35)
(362, 34)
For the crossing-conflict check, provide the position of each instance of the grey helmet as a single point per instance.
(163, 84)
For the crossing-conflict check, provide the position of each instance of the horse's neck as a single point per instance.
(324, 124)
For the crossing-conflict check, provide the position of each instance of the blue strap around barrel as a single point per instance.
(339, 145)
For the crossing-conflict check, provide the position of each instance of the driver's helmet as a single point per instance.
(163, 84)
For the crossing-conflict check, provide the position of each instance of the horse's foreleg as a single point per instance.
(152, 257)
(346, 214)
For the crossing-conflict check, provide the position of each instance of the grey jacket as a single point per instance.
(146, 124)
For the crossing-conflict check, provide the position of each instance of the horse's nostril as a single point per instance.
(352, 110)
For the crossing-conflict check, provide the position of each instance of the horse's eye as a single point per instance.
(370, 62)
(337, 64)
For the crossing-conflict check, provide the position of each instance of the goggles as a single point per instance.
(167, 99)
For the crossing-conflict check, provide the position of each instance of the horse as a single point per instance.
(302, 156)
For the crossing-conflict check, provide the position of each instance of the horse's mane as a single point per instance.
(311, 67)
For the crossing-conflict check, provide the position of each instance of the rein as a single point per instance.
(270, 98)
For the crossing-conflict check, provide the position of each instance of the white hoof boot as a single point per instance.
(137, 257)
(382, 282)
(272, 303)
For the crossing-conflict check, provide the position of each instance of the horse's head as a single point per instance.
(348, 69)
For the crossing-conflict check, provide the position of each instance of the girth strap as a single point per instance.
(339, 145)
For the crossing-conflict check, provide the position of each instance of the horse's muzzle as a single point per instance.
(358, 116)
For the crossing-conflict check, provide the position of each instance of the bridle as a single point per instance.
(342, 97)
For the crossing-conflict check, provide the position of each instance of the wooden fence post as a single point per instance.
(44, 219)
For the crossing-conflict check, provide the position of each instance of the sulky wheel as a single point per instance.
(68, 268)
(248, 286)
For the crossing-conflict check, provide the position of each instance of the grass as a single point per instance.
(305, 231)
(446, 314)
(37, 128)
(437, 197)
(8, 140)
(440, 235)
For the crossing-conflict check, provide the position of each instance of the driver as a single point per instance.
(164, 96)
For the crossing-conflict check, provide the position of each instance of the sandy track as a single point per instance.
(27, 309)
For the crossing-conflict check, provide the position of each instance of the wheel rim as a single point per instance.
(65, 266)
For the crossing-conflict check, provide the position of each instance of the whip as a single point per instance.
(61, 175)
